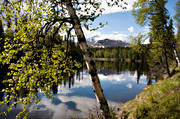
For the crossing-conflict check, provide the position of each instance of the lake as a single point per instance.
(120, 81)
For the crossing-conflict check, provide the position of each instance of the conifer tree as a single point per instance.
(173, 41)
(177, 18)
(154, 14)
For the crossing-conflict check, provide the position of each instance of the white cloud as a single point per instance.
(107, 9)
(145, 32)
(101, 36)
(122, 37)
(131, 29)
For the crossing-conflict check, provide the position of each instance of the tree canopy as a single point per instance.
(177, 15)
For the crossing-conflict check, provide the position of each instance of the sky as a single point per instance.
(119, 23)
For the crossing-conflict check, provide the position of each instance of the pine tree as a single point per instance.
(158, 26)
(177, 18)
(154, 14)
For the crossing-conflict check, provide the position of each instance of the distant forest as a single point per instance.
(120, 53)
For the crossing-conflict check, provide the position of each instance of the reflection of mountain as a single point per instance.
(107, 71)
(108, 43)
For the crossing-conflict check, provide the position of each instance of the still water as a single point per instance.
(120, 81)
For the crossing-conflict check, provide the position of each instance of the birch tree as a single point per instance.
(36, 54)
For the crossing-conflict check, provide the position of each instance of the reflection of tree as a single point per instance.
(118, 67)
(149, 82)
(54, 88)
(1, 93)
(141, 68)
(109, 68)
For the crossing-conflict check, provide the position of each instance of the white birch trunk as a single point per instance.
(89, 62)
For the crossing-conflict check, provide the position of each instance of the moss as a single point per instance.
(158, 101)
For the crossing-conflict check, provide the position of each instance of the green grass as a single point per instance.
(158, 101)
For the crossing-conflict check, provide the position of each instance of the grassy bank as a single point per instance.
(158, 101)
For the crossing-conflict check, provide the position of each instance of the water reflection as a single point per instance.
(120, 81)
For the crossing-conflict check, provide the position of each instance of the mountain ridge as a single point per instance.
(107, 43)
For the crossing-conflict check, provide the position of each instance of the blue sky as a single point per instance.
(121, 24)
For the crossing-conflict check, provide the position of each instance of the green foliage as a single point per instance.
(141, 15)
(137, 43)
(35, 60)
(154, 14)
(177, 18)
(120, 53)
(167, 107)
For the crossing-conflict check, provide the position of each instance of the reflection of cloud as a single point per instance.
(41, 114)
(114, 78)
(129, 85)
(119, 78)
(72, 106)
(64, 90)
(38, 112)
